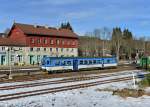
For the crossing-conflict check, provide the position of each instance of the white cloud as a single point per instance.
(80, 15)
(54, 2)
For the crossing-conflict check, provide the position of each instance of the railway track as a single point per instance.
(76, 79)
(59, 75)
(59, 89)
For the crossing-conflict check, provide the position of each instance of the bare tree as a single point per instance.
(116, 41)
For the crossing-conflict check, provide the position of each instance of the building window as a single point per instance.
(38, 58)
(51, 49)
(12, 58)
(32, 40)
(20, 48)
(67, 49)
(57, 42)
(68, 43)
(3, 48)
(31, 49)
(56, 49)
(51, 42)
(73, 42)
(39, 40)
(44, 49)
(20, 58)
(45, 41)
(62, 49)
(38, 49)
(63, 42)
(72, 50)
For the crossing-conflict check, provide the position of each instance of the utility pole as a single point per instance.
(10, 73)
(133, 80)
(103, 49)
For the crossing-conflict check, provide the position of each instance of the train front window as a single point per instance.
(43, 62)
(48, 62)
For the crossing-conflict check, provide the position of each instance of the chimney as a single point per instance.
(46, 26)
(35, 25)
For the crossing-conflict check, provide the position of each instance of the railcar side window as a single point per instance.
(69, 63)
(81, 62)
(90, 61)
(85, 62)
(57, 63)
(108, 61)
(99, 61)
(94, 62)
(63, 62)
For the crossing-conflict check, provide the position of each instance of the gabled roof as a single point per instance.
(47, 31)
(10, 42)
(2, 34)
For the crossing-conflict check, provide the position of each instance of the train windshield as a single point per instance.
(43, 62)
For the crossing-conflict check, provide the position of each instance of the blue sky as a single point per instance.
(84, 15)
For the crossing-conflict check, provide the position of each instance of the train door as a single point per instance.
(75, 65)
(103, 63)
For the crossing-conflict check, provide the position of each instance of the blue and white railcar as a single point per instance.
(69, 63)
(89, 63)
(97, 62)
(109, 62)
(57, 63)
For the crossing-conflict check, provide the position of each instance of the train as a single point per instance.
(54, 64)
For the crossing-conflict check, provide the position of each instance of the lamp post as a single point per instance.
(9, 60)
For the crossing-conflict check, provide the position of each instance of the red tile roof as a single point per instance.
(10, 42)
(48, 31)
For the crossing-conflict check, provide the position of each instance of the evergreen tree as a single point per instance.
(66, 26)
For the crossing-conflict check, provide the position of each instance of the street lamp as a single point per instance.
(9, 49)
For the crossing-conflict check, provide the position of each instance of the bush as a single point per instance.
(145, 82)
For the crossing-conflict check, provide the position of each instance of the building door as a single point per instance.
(31, 59)
(3, 58)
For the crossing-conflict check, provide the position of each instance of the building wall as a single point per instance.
(27, 56)
(11, 56)
(17, 34)
(37, 52)
(38, 46)
(49, 41)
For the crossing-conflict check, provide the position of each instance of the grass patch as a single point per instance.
(145, 82)
(125, 92)
(129, 93)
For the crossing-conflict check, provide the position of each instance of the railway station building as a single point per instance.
(28, 44)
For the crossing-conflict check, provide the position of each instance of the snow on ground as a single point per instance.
(3, 92)
(87, 97)
(54, 79)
